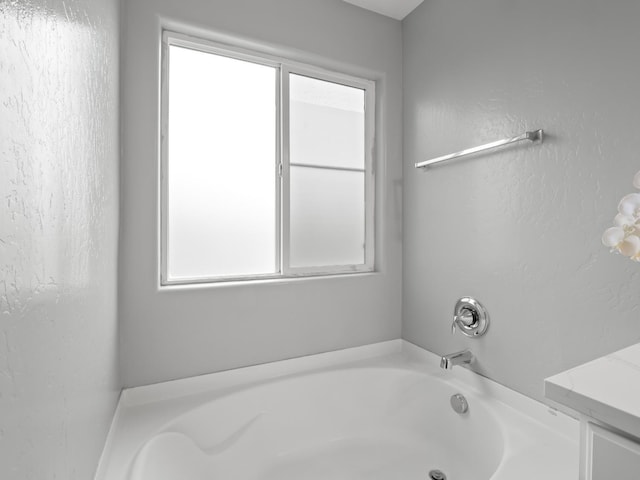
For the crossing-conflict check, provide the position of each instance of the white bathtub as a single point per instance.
(375, 412)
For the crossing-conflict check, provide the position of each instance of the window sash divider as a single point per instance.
(285, 181)
(278, 166)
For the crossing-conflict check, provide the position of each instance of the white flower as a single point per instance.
(624, 221)
(630, 246)
(613, 236)
(629, 206)
(624, 237)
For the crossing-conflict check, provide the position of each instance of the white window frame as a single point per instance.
(281, 162)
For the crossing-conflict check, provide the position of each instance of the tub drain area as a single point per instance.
(437, 475)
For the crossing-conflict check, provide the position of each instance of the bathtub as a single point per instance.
(376, 412)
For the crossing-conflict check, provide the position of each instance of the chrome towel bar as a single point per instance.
(535, 135)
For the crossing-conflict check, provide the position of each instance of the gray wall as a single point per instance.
(520, 229)
(188, 331)
(58, 235)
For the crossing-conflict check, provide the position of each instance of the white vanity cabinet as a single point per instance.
(606, 455)
(605, 395)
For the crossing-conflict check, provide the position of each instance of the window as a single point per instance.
(267, 167)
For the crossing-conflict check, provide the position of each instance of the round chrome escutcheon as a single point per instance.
(470, 317)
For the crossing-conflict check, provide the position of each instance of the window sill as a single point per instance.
(208, 283)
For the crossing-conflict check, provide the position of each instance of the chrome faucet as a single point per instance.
(465, 357)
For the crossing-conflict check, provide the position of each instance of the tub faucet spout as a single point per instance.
(465, 357)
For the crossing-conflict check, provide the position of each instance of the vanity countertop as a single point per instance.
(606, 389)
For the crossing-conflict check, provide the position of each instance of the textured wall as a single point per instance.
(520, 229)
(58, 232)
(183, 332)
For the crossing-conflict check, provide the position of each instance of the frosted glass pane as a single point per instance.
(327, 217)
(221, 166)
(327, 123)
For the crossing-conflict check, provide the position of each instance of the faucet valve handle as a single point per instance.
(465, 318)
(470, 317)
